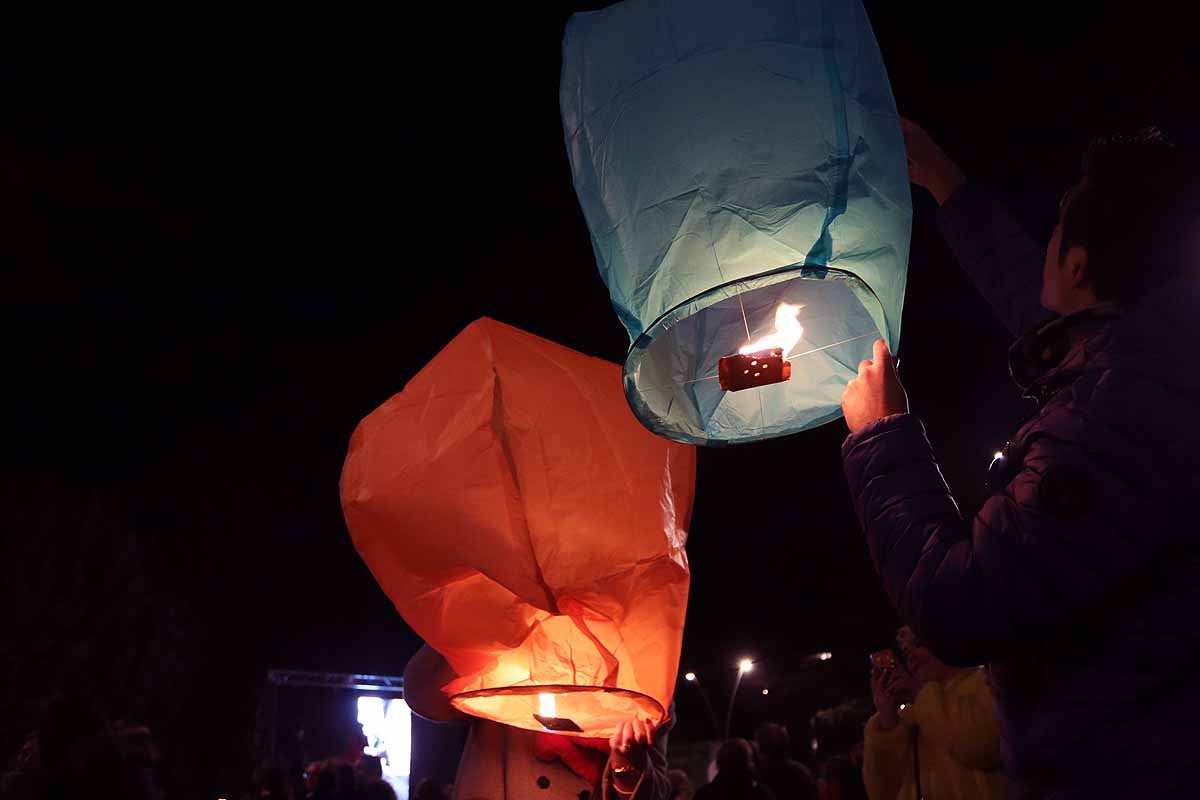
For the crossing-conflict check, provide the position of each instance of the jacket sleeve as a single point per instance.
(1004, 263)
(887, 758)
(1078, 522)
(652, 784)
(960, 717)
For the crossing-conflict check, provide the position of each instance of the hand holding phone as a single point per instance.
(883, 660)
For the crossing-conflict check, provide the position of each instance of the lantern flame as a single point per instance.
(547, 706)
(788, 331)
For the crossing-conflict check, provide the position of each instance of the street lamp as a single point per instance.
(744, 665)
(694, 680)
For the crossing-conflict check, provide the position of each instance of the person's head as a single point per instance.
(429, 789)
(375, 789)
(313, 774)
(369, 767)
(773, 741)
(269, 780)
(1126, 227)
(320, 780)
(735, 759)
(681, 784)
(344, 782)
(919, 659)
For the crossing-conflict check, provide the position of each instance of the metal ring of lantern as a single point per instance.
(602, 714)
(652, 398)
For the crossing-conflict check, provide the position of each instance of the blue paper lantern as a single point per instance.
(735, 159)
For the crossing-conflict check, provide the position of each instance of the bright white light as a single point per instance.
(370, 714)
(824, 656)
(815, 744)
(903, 706)
(787, 332)
(397, 741)
(547, 705)
(689, 676)
(745, 665)
(387, 726)
(997, 456)
(766, 691)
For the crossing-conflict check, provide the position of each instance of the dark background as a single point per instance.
(227, 240)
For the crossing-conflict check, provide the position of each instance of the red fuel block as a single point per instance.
(745, 371)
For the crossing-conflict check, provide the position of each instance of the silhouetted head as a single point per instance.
(919, 659)
(735, 759)
(773, 740)
(1128, 226)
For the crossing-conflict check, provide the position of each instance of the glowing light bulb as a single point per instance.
(745, 665)
(689, 676)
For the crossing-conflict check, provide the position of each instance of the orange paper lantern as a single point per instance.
(529, 529)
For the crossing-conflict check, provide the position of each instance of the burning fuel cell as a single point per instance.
(548, 716)
(747, 370)
(763, 362)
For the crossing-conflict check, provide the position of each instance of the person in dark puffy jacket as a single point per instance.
(1079, 578)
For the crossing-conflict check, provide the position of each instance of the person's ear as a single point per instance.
(1075, 267)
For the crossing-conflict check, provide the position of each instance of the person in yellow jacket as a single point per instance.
(933, 734)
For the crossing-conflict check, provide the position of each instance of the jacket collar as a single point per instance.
(1053, 354)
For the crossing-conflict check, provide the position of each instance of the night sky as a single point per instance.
(224, 246)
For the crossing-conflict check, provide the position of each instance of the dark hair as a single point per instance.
(429, 789)
(1131, 210)
(773, 740)
(735, 759)
(681, 784)
(370, 767)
